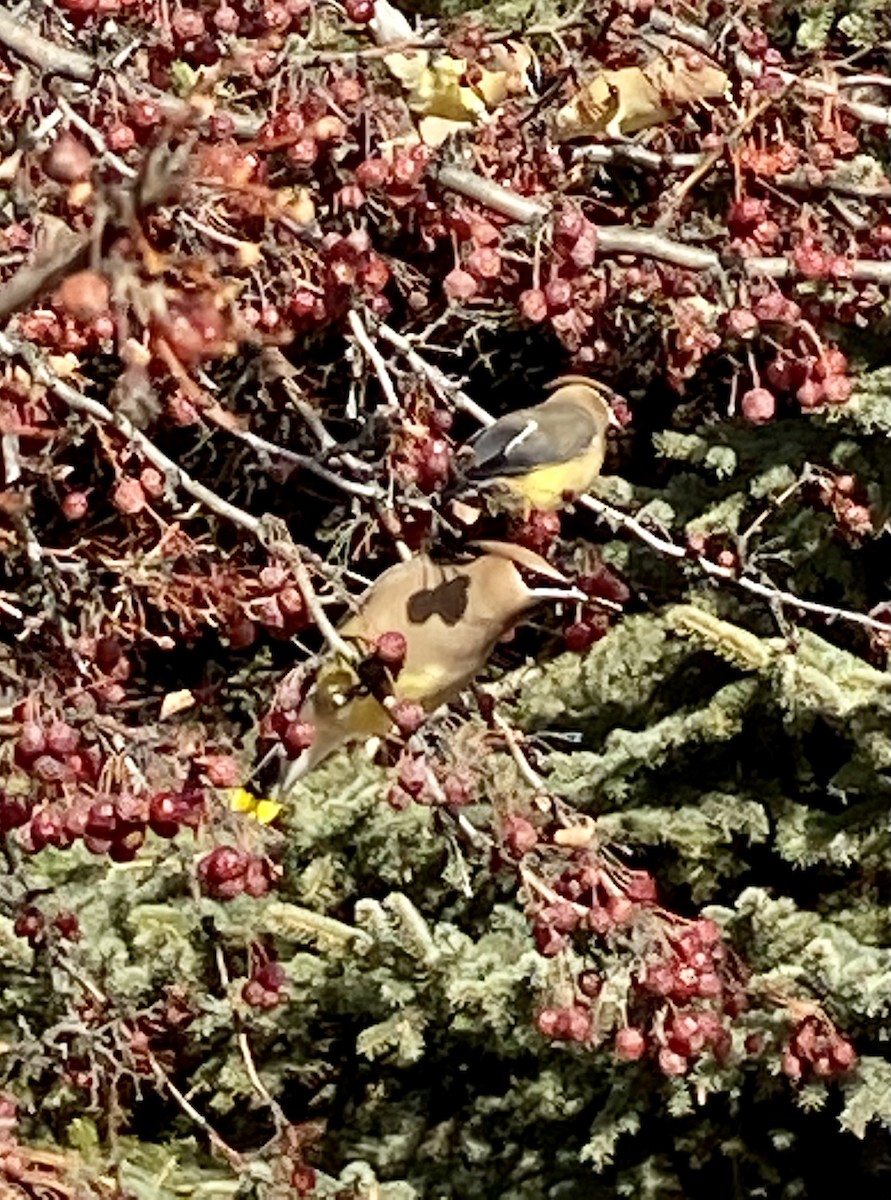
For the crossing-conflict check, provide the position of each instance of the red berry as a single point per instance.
(271, 975)
(641, 887)
(391, 649)
(672, 1063)
(558, 294)
(548, 941)
(68, 160)
(187, 25)
(519, 836)
(253, 993)
(631, 1044)
(226, 19)
(31, 743)
(408, 716)
(459, 285)
(534, 305)
(153, 482)
(14, 813)
(145, 114)
(547, 1021)
(373, 173)
(222, 872)
(61, 740)
(303, 1178)
(837, 389)
(128, 497)
(30, 924)
(75, 506)
(484, 263)
(842, 1054)
(413, 775)
(222, 770)
(297, 737)
(165, 815)
(758, 405)
(46, 830)
(810, 394)
(68, 926)
(257, 877)
(359, 11)
(84, 295)
(581, 636)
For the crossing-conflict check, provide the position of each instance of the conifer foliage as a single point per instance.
(615, 922)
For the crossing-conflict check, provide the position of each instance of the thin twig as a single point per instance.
(368, 491)
(236, 1161)
(375, 357)
(274, 533)
(525, 768)
(247, 1056)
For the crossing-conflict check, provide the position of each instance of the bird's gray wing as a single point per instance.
(531, 437)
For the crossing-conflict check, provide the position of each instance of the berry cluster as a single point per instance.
(687, 986)
(112, 825)
(31, 924)
(54, 753)
(843, 497)
(422, 780)
(227, 872)
(816, 1050)
(571, 299)
(264, 988)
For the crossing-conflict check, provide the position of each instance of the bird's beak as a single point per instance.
(613, 419)
(291, 775)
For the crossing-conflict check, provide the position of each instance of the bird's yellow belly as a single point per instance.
(546, 488)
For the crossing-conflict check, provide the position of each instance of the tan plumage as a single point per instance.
(450, 615)
(542, 457)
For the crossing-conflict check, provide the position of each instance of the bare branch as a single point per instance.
(28, 44)
(644, 243)
(80, 403)
(375, 357)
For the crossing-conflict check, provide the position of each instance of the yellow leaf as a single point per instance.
(267, 811)
(409, 67)
(622, 102)
(176, 702)
(241, 800)
(436, 130)
(440, 88)
(297, 203)
(63, 365)
(248, 254)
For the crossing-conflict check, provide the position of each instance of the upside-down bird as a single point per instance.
(448, 617)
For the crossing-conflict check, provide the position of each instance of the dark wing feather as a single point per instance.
(531, 437)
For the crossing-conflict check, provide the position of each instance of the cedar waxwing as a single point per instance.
(450, 616)
(543, 455)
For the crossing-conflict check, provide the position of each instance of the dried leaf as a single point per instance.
(447, 98)
(176, 702)
(619, 103)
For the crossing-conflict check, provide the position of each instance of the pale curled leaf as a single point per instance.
(448, 97)
(176, 702)
(622, 102)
